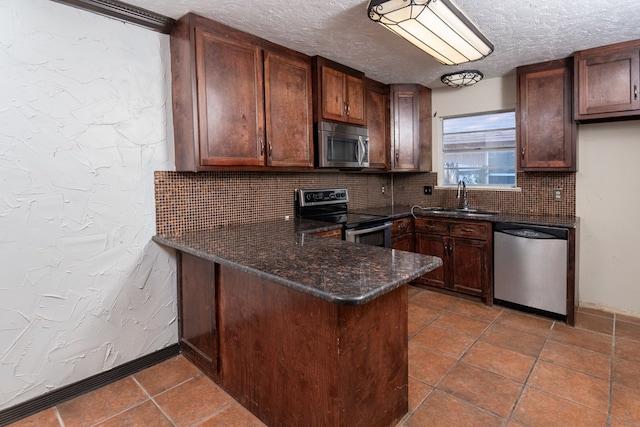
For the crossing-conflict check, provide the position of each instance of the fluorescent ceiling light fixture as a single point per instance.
(462, 78)
(437, 27)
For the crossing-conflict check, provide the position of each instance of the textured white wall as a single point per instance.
(608, 203)
(83, 125)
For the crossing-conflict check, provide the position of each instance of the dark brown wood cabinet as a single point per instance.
(274, 349)
(402, 234)
(546, 131)
(411, 128)
(466, 249)
(378, 123)
(338, 92)
(197, 311)
(238, 101)
(607, 81)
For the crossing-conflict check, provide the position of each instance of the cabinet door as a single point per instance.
(608, 82)
(354, 95)
(197, 309)
(288, 111)
(377, 100)
(546, 130)
(403, 243)
(428, 244)
(468, 260)
(333, 94)
(406, 128)
(230, 97)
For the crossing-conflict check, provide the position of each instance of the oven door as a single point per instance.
(376, 235)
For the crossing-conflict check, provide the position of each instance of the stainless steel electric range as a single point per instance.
(330, 205)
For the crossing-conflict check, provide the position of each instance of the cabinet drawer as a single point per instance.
(401, 226)
(432, 226)
(471, 230)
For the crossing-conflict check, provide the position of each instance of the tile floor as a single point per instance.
(469, 365)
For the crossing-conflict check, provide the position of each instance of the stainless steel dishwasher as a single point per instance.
(530, 268)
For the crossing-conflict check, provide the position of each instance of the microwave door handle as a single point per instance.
(361, 150)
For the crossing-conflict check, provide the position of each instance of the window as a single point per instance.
(480, 149)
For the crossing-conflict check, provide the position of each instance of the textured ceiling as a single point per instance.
(522, 31)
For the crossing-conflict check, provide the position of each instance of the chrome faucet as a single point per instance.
(462, 192)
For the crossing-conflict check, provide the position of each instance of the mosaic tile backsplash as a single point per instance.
(191, 201)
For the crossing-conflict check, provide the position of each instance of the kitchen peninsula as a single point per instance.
(301, 330)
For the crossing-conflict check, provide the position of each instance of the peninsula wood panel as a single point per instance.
(294, 359)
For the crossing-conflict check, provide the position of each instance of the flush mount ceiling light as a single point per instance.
(462, 78)
(437, 27)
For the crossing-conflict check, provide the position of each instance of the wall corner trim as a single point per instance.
(125, 12)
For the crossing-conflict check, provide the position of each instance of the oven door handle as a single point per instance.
(357, 232)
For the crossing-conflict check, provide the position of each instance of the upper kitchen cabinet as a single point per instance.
(378, 122)
(338, 92)
(411, 128)
(239, 102)
(607, 80)
(546, 131)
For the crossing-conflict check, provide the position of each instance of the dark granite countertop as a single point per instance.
(546, 220)
(286, 253)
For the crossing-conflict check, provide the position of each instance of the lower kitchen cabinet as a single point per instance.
(402, 235)
(197, 311)
(466, 250)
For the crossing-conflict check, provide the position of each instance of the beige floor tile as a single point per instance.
(538, 409)
(165, 375)
(145, 414)
(443, 341)
(194, 401)
(234, 416)
(590, 340)
(476, 310)
(100, 404)
(427, 366)
(533, 325)
(625, 403)
(444, 410)
(580, 359)
(461, 324)
(46, 418)
(594, 323)
(434, 299)
(507, 363)
(482, 388)
(417, 393)
(628, 330)
(512, 339)
(571, 385)
(627, 349)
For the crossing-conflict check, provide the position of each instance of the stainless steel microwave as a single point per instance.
(341, 146)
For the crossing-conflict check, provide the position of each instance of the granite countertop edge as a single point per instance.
(343, 297)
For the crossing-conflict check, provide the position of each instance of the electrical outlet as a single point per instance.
(428, 190)
(557, 194)
(383, 189)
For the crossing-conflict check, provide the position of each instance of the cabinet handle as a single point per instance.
(261, 147)
(635, 92)
(522, 153)
(270, 149)
(346, 108)
(466, 230)
(397, 155)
